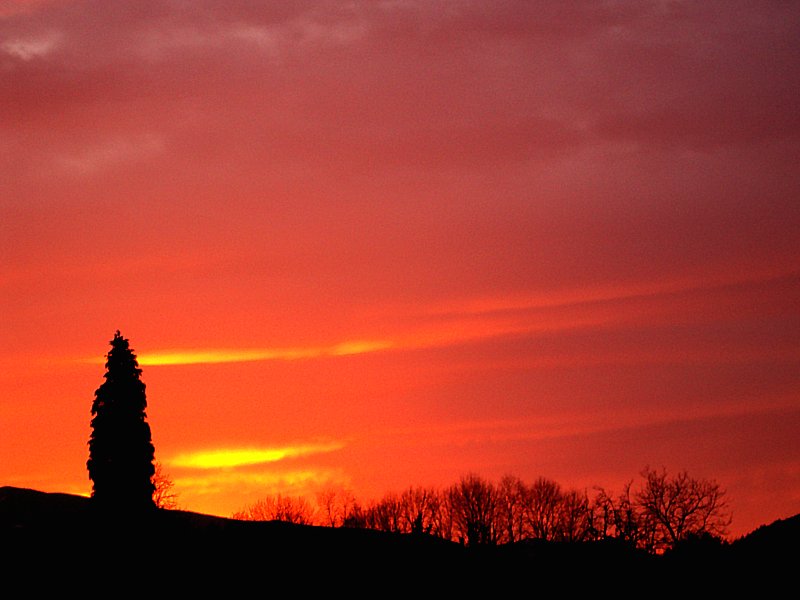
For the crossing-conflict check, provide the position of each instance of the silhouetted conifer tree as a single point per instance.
(121, 452)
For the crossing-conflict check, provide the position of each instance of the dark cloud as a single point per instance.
(680, 75)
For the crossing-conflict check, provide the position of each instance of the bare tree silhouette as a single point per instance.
(542, 508)
(681, 506)
(279, 508)
(511, 508)
(164, 495)
(617, 517)
(474, 506)
(336, 503)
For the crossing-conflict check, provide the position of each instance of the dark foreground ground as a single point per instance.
(58, 543)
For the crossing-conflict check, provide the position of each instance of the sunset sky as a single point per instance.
(377, 244)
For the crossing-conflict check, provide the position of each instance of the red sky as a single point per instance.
(382, 244)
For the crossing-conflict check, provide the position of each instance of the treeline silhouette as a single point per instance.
(661, 512)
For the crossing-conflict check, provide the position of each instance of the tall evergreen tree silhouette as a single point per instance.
(121, 453)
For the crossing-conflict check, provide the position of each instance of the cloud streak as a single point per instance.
(653, 305)
(229, 458)
(213, 356)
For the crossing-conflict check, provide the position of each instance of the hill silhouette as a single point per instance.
(63, 532)
(46, 533)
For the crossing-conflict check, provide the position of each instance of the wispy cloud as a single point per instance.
(480, 319)
(28, 48)
(202, 484)
(222, 458)
(192, 357)
(488, 305)
(114, 151)
(189, 356)
(571, 425)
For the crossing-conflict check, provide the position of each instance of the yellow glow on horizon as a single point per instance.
(223, 492)
(222, 458)
(202, 483)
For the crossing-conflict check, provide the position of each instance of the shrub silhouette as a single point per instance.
(121, 452)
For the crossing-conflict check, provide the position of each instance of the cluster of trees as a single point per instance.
(663, 511)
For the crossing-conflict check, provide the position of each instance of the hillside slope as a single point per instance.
(61, 533)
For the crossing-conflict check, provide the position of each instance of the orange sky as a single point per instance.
(379, 244)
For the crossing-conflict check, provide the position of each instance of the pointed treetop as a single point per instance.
(121, 356)
(118, 340)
